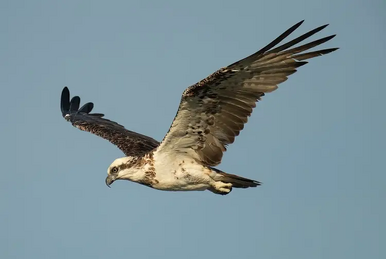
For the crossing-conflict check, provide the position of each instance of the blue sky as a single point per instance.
(317, 143)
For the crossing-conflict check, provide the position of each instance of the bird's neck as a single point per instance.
(143, 171)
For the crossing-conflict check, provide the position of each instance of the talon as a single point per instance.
(223, 188)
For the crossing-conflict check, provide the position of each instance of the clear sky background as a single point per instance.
(317, 143)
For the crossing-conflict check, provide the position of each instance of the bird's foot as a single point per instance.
(221, 188)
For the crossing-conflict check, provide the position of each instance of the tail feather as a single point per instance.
(235, 180)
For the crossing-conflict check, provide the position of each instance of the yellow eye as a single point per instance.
(114, 170)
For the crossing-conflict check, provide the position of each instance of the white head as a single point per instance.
(121, 169)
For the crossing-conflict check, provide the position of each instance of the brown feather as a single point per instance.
(131, 143)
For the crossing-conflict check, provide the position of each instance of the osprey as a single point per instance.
(211, 114)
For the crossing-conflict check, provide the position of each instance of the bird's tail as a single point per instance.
(235, 180)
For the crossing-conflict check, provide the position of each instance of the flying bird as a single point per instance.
(211, 114)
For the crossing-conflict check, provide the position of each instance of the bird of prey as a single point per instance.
(211, 114)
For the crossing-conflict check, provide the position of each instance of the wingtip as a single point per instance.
(65, 101)
(331, 50)
(330, 37)
(87, 108)
(297, 25)
(257, 183)
(74, 104)
(320, 27)
(301, 63)
(326, 51)
(65, 91)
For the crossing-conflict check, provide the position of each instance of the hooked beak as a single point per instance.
(109, 180)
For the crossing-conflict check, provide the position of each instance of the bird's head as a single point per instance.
(121, 169)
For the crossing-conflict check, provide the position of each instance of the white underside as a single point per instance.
(182, 173)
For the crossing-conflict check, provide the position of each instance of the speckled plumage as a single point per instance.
(211, 114)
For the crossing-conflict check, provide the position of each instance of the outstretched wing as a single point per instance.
(131, 143)
(213, 111)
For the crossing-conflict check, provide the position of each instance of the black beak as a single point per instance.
(109, 180)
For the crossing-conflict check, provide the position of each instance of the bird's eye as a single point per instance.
(114, 170)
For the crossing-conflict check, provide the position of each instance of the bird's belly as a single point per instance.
(182, 178)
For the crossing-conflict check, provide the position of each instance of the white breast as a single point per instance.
(177, 172)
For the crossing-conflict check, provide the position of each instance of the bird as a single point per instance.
(210, 115)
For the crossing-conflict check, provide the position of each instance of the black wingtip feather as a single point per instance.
(313, 54)
(279, 39)
(74, 104)
(65, 101)
(257, 183)
(270, 47)
(68, 107)
(298, 39)
(87, 108)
